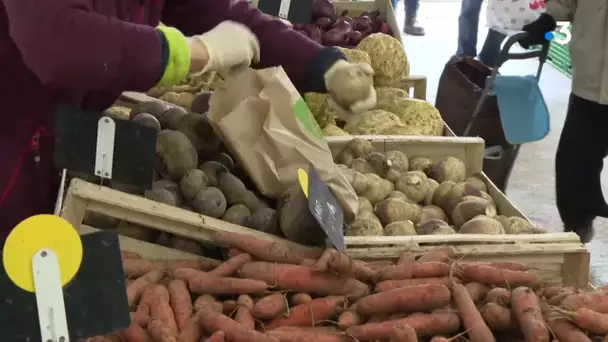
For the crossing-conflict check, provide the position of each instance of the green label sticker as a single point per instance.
(306, 118)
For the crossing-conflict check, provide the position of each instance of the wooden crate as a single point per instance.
(559, 257)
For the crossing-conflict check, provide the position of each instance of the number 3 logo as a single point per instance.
(566, 35)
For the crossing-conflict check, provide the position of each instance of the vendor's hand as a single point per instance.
(537, 29)
(350, 87)
(227, 46)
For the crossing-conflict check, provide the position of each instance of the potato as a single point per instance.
(163, 195)
(421, 164)
(172, 118)
(224, 159)
(517, 225)
(232, 187)
(392, 175)
(478, 182)
(488, 198)
(210, 201)
(359, 182)
(430, 226)
(212, 170)
(237, 214)
(399, 195)
(295, 220)
(175, 155)
(414, 185)
(118, 112)
(186, 245)
(455, 195)
(400, 228)
(154, 108)
(356, 148)
(146, 119)
(448, 169)
(252, 201)
(482, 225)
(365, 205)
(439, 195)
(433, 184)
(361, 165)
(378, 163)
(392, 209)
(377, 188)
(198, 129)
(367, 215)
(200, 104)
(431, 211)
(471, 207)
(136, 231)
(444, 231)
(397, 160)
(264, 220)
(192, 183)
(179, 99)
(364, 227)
(166, 184)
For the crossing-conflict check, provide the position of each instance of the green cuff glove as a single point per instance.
(178, 65)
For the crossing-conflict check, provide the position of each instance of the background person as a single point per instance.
(468, 24)
(411, 26)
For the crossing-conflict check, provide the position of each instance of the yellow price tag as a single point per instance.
(303, 178)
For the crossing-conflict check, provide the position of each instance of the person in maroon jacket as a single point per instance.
(85, 53)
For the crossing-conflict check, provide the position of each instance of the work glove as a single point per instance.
(227, 46)
(537, 29)
(350, 87)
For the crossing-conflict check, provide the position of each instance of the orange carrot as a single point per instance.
(441, 254)
(308, 314)
(305, 335)
(379, 265)
(403, 333)
(424, 324)
(135, 289)
(596, 301)
(559, 299)
(406, 258)
(206, 283)
(181, 303)
(562, 328)
(409, 299)
(525, 305)
(193, 331)
(160, 309)
(243, 312)
(477, 330)
(300, 298)
(431, 269)
(589, 320)
(213, 321)
(234, 252)
(491, 275)
(477, 291)
(340, 264)
(229, 307)
(229, 268)
(303, 279)
(160, 332)
(141, 317)
(363, 272)
(207, 299)
(439, 339)
(134, 268)
(129, 255)
(499, 295)
(271, 251)
(388, 285)
(135, 333)
(270, 306)
(202, 264)
(218, 336)
(349, 318)
(497, 317)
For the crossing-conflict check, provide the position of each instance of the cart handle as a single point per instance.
(505, 55)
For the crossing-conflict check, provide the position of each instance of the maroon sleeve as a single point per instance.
(65, 43)
(279, 44)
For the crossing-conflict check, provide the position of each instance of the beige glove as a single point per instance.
(351, 88)
(227, 46)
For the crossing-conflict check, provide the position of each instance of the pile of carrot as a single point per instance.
(269, 292)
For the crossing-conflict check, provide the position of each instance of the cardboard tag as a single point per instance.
(326, 209)
(296, 11)
(77, 144)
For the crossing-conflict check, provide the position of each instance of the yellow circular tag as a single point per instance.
(33, 234)
(303, 179)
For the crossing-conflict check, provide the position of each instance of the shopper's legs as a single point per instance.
(411, 13)
(491, 47)
(582, 147)
(468, 21)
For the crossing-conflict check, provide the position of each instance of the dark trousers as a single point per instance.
(411, 8)
(583, 145)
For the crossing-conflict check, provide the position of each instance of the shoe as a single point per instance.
(584, 231)
(413, 28)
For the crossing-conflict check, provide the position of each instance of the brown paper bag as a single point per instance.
(262, 118)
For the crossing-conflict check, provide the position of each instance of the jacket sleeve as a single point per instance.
(562, 10)
(279, 44)
(65, 43)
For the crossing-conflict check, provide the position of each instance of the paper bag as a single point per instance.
(510, 16)
(266, 124)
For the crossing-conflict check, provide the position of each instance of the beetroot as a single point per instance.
(343, 25)
(385, 28)
(354, 37)
(345, 16)
(363, 23)
(334, 37)
(324, 23)
(323, 8)
(316, 34)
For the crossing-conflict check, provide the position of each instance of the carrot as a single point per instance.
(160, 332)
(213, 321)
(202, 264)
(270, 306)
(379, 265)
(525, 305)
(321, 264)
(477, 291)
(441, 254)
(234, 252)
(229, 307)
(477, 329)
(439, 339)
(206, 283)
(406, 258)
(303, 279)
(243, 312)
(184, 274)
(349, 318)
(271, 251)
(135, 333)
(596, 301)
(181, 303)
(136, 288)
(305, 335)
(594, 322)
(193, 331)
(562, 328)
(363, 272)
(551, 291)
(559, 299)
(424, 324)
(431, 269)
(491, 275)
(300, 298)
(308, 314)
(160, 309)
(229, 268)
(378, 318)
(129, 255)
(218, 336)
(398, 315)
(388, 285)
(134, 268)
(403, 333)
(142, 315)
(410, 298)
(207, 299)
(499, 295)
(497, 317)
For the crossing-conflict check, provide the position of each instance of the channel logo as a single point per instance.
(562, 36)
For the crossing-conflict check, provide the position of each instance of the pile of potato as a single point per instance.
(186, 94)
(401, 195)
